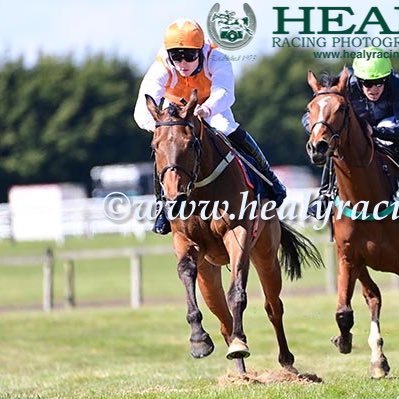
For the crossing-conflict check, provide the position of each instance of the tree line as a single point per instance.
(59, 118)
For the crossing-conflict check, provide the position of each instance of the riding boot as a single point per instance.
(324, 195)
(162, 224)
(241, 139)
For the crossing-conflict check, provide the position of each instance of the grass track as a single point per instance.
(120, 353)
(102, 352)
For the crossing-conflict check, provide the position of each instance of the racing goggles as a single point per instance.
(372, 82)
(178, 55)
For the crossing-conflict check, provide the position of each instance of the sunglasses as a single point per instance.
(373, 82)
(183, 54)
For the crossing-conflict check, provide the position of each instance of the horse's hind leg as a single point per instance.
(201, 343)
(210, 285)
(379, 367)
(268, 269)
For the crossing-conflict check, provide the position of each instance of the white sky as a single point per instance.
(134, 28)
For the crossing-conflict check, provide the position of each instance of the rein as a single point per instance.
(226, 159)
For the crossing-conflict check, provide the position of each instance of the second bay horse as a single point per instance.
(362, 175)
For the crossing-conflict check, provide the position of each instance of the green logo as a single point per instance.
(229, 31)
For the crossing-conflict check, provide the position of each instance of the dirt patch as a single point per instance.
(269, 377)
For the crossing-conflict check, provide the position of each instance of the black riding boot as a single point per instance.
(162, 224)
(324, 195)
(241, 139)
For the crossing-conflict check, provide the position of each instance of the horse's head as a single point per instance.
(328, 116)
(176, 147)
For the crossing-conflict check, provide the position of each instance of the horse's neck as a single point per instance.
(359, 173)
(213, 151)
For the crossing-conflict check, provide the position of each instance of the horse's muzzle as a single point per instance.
(317, 153)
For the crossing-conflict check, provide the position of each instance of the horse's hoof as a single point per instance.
(379, 369)
(238, 349)
(344, 345)
(291, 369)
(202, 348)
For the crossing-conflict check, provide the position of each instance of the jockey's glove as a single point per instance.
(202, 111)
(385, 133)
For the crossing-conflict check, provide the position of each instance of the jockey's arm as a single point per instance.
(154, 83)
(388, 128)
(221, 96)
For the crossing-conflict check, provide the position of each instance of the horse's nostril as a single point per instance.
(321, 147)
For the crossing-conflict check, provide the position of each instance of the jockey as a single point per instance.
(373, 90)
(187, 62)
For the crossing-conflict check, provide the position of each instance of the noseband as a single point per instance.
(193, 176)
(335, 134)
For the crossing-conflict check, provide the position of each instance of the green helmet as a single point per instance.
(374, 66)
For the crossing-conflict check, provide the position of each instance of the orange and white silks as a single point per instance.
(214, 83)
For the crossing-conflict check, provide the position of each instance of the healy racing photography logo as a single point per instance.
(229, 31)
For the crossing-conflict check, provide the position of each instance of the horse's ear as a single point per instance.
(313, 83)
(188, 110)
(152, 107)
(343, 79)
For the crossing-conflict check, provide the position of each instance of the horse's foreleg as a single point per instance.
(344, 313)
(201, 343)
(238, 248)
(210, 284)
(379, 367)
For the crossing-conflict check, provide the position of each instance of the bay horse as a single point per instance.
(194, 164)
(361, 175)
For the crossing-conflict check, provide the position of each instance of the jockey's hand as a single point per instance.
(202, 111)
(380, 132)
(385, 133)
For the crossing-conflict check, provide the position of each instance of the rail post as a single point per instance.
(48, 280)
(69, 289)
(331, 266)
(136, 290)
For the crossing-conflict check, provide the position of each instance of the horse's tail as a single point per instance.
(295, 250)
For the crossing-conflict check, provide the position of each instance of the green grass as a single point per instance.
(103, 352)
(119, 353)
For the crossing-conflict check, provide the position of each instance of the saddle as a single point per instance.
(253, 181)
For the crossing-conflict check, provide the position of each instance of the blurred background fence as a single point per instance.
(100, 262)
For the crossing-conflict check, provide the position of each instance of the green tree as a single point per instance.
(57, 119)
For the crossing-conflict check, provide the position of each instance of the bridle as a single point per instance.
(335, 134)
(193, 176)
